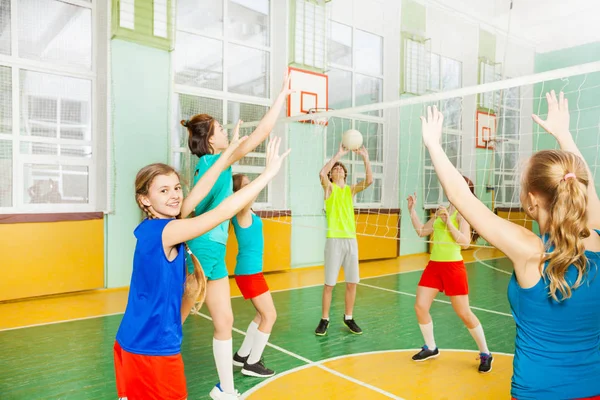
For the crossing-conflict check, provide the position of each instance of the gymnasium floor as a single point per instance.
(61, 347)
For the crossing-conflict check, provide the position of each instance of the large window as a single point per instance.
(507, 149)
(47, 108)
(445, 74)
(356, 78)
(222, 64)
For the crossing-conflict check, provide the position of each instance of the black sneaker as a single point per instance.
(426, 354)
(485, 362)
(352, 326)
(238, 360)
(257, 370)
(322, 328)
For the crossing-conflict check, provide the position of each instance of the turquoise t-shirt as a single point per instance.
(250, 246)
(222, 189)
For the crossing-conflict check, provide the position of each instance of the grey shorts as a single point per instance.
(341, 252)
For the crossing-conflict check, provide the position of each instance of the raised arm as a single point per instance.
(266, 124)
(557, 124)
(324, 174)
(181, 230)
(513, 240)
(362, 185)
(422, 230)
(462, 234)
(202, 188)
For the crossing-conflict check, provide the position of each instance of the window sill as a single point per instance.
(49, 217)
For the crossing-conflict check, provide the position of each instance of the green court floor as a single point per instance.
(73, 360)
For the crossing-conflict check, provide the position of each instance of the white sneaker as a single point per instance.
(218, 394)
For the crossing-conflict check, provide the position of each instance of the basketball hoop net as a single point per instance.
(323, 121)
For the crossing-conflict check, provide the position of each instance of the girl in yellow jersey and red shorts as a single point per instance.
(446, 273)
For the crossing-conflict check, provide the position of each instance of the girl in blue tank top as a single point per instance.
(147, 357)
(248, 229)
(554, 292)
(207, 140)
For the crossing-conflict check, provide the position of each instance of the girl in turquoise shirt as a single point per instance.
(248, 229)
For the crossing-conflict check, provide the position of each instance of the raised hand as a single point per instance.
(235, 141)
(274, 159)
(557, 122)
(342, 151)
(362, 151)
(285, 90)
(432, 127)
(442, 213)
(412, 201)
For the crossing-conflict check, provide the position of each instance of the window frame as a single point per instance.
(514, 173)
(355, 119)
(16, 63)
(225, 96)
(458, 132)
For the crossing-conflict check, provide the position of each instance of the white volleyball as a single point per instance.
(352, 139)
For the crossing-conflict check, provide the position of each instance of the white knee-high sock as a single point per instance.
(427, 331)
(258, 346)
(223, 353)
(244, 351)
(479, 337)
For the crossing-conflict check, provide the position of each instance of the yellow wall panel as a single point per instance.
(377, 236)
(517, 216)
(51, 257)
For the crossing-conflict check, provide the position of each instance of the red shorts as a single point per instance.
(149, 377)
(449, 277)
(252, 286)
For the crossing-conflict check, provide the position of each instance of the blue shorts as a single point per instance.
(211, 256)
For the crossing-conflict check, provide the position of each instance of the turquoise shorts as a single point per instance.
(211, 256)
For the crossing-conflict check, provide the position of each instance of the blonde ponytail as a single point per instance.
(195, 284)
(561, 179)
(567, 228)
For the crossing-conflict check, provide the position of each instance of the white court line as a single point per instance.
(310, 363)
(366, 353)
(477, 259)
(439, 301)
(60, 322)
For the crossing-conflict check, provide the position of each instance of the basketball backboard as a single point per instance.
(486, 130)
(311, 92)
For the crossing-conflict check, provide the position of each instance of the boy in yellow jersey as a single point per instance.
(341, 248)
(446, 273)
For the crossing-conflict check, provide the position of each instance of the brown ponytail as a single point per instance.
(195, 284)
(201, 128)
(561, 179)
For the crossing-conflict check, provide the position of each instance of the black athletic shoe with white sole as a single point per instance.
(238, 360)
(257, 370)
(426, 354)
(485, 362)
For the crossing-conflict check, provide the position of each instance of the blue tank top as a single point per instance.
(557, 346)
(250, 246)
(152, 321)
(222, 189)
